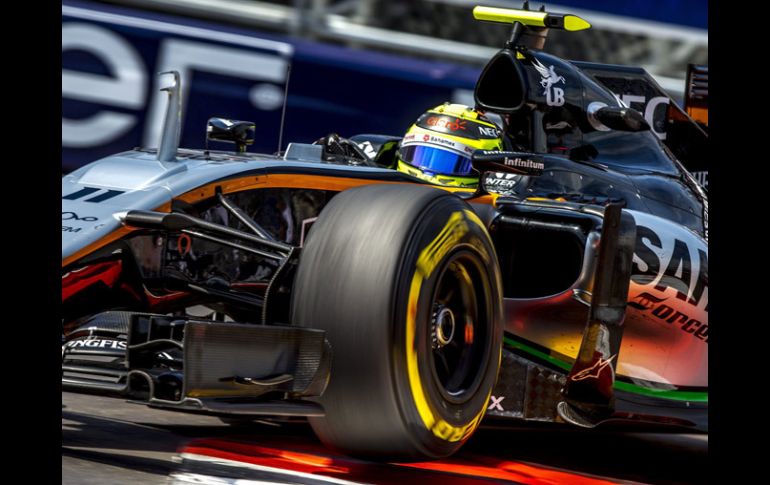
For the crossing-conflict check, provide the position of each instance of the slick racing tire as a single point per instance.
(405, 281)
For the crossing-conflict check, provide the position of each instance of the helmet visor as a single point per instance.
(436, 160)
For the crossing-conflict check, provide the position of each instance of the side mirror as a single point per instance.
(232, 131)
(616, 118)
(521, 163)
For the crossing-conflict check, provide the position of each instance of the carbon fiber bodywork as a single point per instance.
(197, 365)
(526, 389)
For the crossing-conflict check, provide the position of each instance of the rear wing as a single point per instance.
(696, 101)
(683, 131)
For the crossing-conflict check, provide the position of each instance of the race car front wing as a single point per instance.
(202, 366)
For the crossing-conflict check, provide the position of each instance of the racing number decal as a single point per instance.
(107, 194)
(454, 230)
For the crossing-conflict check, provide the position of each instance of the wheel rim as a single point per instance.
(458, 328)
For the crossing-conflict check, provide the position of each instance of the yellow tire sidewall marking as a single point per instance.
(454, 230)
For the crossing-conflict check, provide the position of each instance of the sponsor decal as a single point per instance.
(72, 216)
(437, 140)
(645, 301)
(593, 371)
(677, 272)
(444, 141)
(648, 107)
(494, 403)
(489, 132)
(522, 163)
(672, 270)
(449, 122)
(671, 316)
(501, 180)
(554, 96)
(96, 343)
(635, 91)
(453, 125)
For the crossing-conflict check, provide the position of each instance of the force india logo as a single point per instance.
(554, 96)
(97, 344)
(670, 315)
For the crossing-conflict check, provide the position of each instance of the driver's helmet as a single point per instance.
(439, 145)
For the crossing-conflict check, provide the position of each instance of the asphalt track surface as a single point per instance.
(110, 441)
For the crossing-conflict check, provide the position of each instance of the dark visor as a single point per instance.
(436, 160)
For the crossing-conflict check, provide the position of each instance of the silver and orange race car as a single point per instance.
(395, 315)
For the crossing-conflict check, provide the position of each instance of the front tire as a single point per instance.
(406, 283)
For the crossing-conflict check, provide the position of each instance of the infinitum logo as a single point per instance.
(522, 163)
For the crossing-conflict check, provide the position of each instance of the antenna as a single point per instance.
(283, 109)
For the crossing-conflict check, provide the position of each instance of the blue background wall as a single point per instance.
(331, 89)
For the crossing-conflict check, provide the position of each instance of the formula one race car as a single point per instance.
(394, 314)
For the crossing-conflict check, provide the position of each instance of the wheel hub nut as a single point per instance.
(444, 326)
